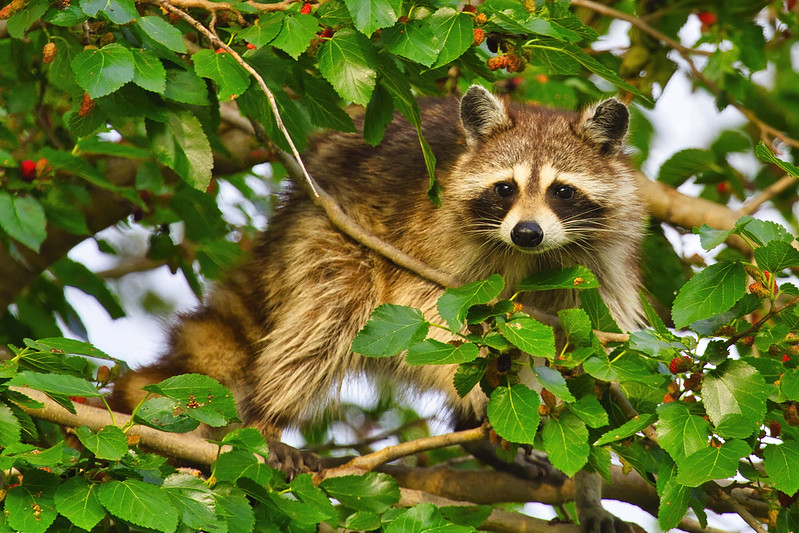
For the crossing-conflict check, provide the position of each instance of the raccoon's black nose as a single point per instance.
(527, 234)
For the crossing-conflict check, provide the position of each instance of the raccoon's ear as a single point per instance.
(482, 114)
(606, 124)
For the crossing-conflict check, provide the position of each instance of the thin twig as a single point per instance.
(621, 400)
(742, 511)
(767, 194)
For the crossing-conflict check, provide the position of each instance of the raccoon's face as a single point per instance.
(536, 196)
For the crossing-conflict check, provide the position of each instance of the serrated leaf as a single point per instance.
(30, 506)
(379, 113)
(454, 303)
(577, 327)
(734, 387)
(23, 219)
(423, 517)
(303, 487)
(23, 19)
(267, 28)
(554, 382)
(77, 500)
(117, 11)
(513, 413)
(789, 384)
(233, 505)
(322, 102)
(372, 492)
(628, 429)
(79, 276)
(574, 277)
(182, 145)
(763, 152)
(102, 71)
(56, 384)
(433, 352)
(149, 73)
(566, 443)
(140, 503)
(200, 397)
(346, 61)
(363, 521)
(10, 428)
(160, 413)
(782, 465)
(236, 464)
(590, 411)
(529, 335)
(711, 291)
(591, 302)
(230, 78)
(468, 375)
(679, 432)
(684, 164)
(412, 40)
(712, 463)
(455, 34)
(762, 231)
(371, 15)
(673, 504)
(389, 330)
(186, 87)
(709, 237)
(296, 34)
(776, 256)
(108, 443)
(163, 33)
(194, 501)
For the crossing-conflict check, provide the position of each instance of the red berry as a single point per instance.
(680, 364)
(774, 428)
(469, 9)
(327, 33)
(479, 36)
(28, 168)
(707, 17)
(306, 9)
(785, 358)
(723, 188)
(220, 50)
(251, 46)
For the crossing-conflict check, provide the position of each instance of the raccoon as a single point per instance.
(524, 189)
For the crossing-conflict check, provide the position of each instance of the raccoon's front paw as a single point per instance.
(595, 519)
(535, 466)
(292, 461)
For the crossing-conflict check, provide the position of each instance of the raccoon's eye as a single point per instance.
(504, 189)
(565, 192)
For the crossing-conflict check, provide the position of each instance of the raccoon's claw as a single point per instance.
(536, 466)
(292, 461)
(598, 520)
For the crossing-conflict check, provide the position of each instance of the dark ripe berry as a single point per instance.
(774, 428)
(680, 364)
(694, 381)
(514, 63)
(469, 9)
(28, 170)
(784, 499)
(306, 9)
(48, 52)
(479, 36)
(327, 33)
(504, 363)
(774, 350)
(790, 415)
(673, 388)
(749, 340)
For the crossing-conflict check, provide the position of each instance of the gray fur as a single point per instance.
(482, 114)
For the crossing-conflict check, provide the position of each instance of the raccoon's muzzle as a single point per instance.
(527, 234)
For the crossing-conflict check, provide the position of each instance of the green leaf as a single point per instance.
(709, 237)
(468, 375)
(372, 492)
(735, 387)
(186, 87)
(23, 219)
(591, 302)
(56, 384)
(363, 521)
(423, 517)
(194, 502)
(389, 330)
(77, 500)
(30, 506)
(628, 429)
(566, 443)
(684, 164)
(148, 72)
(711, 291)
(763, 152)
(379, 113)
(79, 276)
(529, 335)
(10, 428)
(577, 326)
(230, 78)
(673, 505)
(455, 303)
(238, 464)
(296, 34)
(117, 11)
(200, 397)
(160, 413)
(433, 352)
(712, 463)
(234, 506)
(554, 382)
(789, 384)
(776, 256)
(182, 145)
(574, 277)
(590, 411)
(322, 104)
(412, 40)
(513, 412)
(762, 231)
(267, 28)
(23, 19)
(108, 443)
(679, 432)
(163, 33)
(782, 465)
(102, 71)
(455, 34)
(371, 15)
(140, 503)
(347, 62)
(303, 487)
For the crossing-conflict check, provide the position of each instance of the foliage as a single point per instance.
(118, 112)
